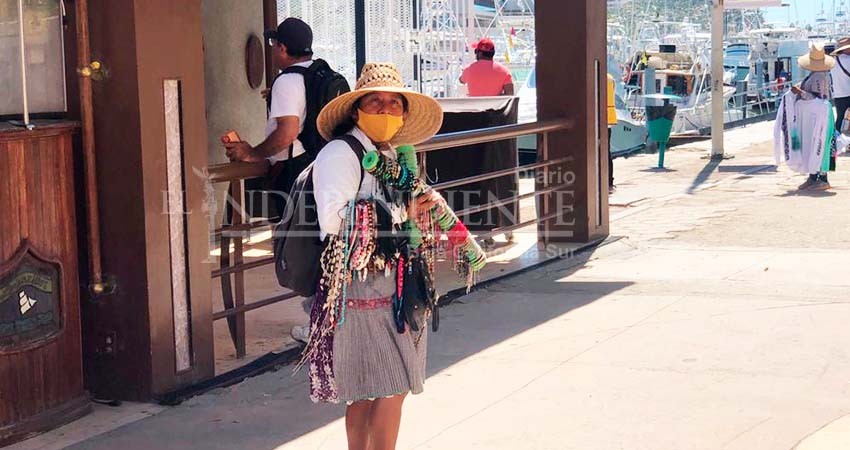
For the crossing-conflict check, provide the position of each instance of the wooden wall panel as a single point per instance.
(41, 383)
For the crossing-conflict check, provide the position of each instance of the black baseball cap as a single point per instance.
(296, 35)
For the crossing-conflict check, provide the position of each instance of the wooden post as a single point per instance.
(132, 334)
(270, 21)
(239, 277)
(571, 77)
(359, 35)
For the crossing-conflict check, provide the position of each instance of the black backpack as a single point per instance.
(322, 85)
(295, 239)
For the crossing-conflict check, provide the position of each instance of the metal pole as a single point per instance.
(23, 64)
(98, 286)
(417, 50)
(717, 79)
(360, 35)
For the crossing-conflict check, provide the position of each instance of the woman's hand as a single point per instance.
(426, 201)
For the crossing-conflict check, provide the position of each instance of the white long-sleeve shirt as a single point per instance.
(336, 176)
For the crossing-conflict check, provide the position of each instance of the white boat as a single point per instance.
(774, 53)
(684, 75)
(628, 136)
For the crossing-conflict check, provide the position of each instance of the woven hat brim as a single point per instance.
(424, 115)
(818, 65)
(838, 50)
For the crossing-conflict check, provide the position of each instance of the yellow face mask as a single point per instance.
(379, 127)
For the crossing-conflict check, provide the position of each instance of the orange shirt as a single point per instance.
(486, 78)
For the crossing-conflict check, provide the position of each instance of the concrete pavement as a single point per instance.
(718, 320)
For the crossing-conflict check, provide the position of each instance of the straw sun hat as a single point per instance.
(817, 60)
(424, 114)
(843, 45)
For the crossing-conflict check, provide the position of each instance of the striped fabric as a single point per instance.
(370, 358)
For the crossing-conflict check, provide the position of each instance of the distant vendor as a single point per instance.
(486, 77)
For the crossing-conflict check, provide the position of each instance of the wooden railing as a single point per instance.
(232, 267)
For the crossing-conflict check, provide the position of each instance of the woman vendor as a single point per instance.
(377, 219)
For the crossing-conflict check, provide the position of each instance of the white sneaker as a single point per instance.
(300, 333)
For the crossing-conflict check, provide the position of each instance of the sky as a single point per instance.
(800, 12)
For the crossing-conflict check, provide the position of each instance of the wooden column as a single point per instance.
(571, 77)
(150, 132)
(41, 376)
(270, 22)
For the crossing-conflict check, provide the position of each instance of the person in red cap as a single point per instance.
(486, 77)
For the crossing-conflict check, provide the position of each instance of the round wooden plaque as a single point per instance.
(254, 61)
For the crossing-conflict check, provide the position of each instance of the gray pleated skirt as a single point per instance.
(370, 358)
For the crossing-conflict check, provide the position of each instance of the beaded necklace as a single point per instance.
(332, 266)
(468, 255)
(346, 269)
(353, 253)
(366, 237)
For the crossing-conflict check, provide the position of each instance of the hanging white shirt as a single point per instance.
(802, 133)
(783, 127)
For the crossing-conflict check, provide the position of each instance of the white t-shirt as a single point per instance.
(289, 98)
(840, 80)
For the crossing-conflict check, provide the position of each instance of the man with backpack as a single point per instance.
(291, 47)
(297, 95)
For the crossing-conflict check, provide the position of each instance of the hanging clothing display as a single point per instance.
(817, 84)
(804, 130)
